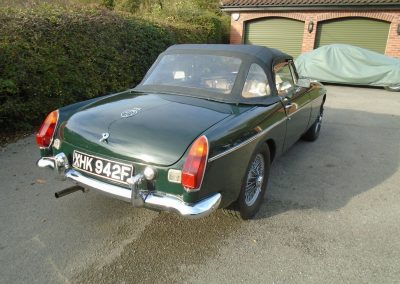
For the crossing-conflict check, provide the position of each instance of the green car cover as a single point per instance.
(347, 64)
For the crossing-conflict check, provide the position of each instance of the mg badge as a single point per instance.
(104, 137)
(130, 112)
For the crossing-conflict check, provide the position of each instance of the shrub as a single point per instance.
(51, 57)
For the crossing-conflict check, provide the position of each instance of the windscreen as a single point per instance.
(213, 73)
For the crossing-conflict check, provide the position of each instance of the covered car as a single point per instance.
(347, 64)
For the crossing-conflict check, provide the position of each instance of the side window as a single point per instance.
(256, 84)
(285, 84)
(293, 70)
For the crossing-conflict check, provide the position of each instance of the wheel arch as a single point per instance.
(272, 148)
(323, 103)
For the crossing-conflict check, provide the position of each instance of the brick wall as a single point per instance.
(392, 46)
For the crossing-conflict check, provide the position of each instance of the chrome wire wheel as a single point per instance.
(255, 179)
(254, 185)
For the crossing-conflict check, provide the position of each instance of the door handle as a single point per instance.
(289, 105)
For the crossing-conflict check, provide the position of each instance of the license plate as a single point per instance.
(104, 168)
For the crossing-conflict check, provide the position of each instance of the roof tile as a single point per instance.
(289, 3)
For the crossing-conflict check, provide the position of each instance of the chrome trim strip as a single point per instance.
(244, 143)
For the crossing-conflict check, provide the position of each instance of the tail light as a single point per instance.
(195, 164)
(46, 131)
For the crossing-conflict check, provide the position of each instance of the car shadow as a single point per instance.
(171, 246)
(356, 151)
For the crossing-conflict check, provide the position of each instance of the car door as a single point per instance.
(295, 101)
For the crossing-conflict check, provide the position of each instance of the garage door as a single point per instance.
(365, 33)
(281, 33)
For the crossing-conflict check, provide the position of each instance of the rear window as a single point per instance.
(201, 71)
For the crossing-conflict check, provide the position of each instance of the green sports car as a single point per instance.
(198, 133)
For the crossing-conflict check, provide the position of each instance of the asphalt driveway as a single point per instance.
(332, 215)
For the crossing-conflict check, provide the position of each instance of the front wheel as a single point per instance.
(254, 185)
(312, 133)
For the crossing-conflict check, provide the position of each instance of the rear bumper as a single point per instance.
(138, 198)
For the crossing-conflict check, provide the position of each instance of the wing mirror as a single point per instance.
(304, 83)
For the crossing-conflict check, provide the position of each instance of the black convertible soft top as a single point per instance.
(267, 55)
(249, 54)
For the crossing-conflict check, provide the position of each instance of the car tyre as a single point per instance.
(254, 186)
(312, 133)
(392, 88)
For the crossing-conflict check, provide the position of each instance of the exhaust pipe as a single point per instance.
(68, 190)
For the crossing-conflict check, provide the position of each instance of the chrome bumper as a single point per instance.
(136, 197)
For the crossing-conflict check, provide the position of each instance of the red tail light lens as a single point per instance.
(46, 131)
(195, 165)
